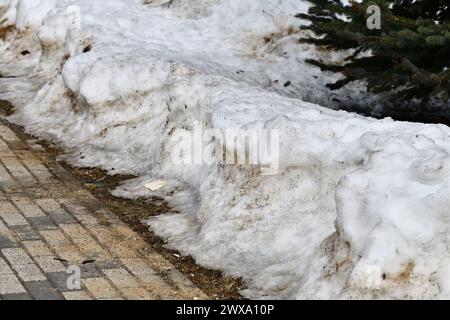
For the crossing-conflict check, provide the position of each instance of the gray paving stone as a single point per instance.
(19, 172)
(43, 223)
(86, 219)
(89, 271)
(16, 256)
(93, 203)
(59, 280)
(17, 296)
(29, 272)
(121, 278)
(10, 215)
(100, 288)
(37, 248)
(76, 295)
(55, 211)
(42, 290)
(5, 178)
(10, 284)
(62, 218)
(49, 264)
(27, 208)
(50, 206)
(25, 233)
(74, 208)
(8, 135)
(7, 243)
(11, 188)
(5, 268)
(104, 265)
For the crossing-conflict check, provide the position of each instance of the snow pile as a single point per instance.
(358, 208)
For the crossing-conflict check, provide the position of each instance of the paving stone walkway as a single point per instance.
(51, 228)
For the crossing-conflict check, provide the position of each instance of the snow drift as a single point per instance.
(359, 207)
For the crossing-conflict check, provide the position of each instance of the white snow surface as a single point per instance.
(360, 207)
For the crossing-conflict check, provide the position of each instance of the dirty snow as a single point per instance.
(359, 208)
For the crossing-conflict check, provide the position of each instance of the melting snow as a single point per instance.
(359, 208)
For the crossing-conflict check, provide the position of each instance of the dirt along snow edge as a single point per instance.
(358, 207)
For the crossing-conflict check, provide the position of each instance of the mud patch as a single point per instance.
(5, 31)
(6, 107)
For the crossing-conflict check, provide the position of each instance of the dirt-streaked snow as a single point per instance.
(359, 208)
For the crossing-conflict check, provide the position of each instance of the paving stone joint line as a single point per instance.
(52, 230)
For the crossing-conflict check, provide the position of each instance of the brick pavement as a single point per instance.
(51, 228)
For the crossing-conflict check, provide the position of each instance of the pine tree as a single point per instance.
(408, 58)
